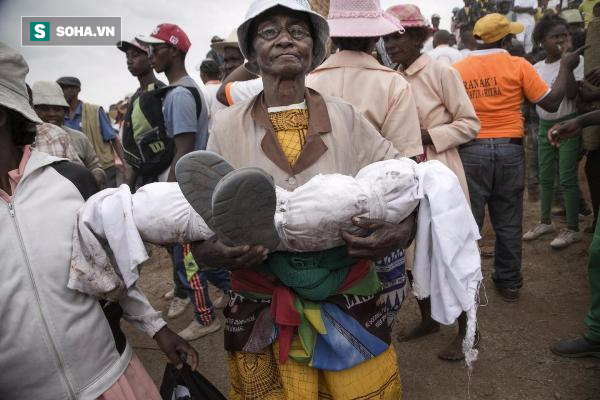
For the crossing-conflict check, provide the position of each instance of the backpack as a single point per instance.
(148, 148)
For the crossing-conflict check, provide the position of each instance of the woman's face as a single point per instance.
(282, 44)
(557, 40)
(401, 48)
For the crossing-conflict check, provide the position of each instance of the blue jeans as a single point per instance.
(197, 286)
(495, 175)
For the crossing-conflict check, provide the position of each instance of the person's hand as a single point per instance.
(426, 137)
(212, 253)
(570, 59)
(100, 178)
(383, 238)
(562, 131)
(174, 347)
(593, 76)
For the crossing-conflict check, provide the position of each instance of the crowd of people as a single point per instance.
(507, 99)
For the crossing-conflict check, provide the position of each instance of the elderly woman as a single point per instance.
(447, 120)
(381, 94)
(282, 344)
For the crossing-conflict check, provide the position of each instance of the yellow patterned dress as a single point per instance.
(261, 376)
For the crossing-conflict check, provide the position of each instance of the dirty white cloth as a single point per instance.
(447, 264)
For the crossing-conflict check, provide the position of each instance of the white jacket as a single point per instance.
(55, 343)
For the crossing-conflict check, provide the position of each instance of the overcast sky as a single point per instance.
(102, 70)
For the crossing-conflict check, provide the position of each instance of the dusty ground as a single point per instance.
(514, 361)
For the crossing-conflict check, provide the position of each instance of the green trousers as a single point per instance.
(593, 318)
(567, 158)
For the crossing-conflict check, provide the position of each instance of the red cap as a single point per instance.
(168, 33)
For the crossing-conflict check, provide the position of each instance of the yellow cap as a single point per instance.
(494, 27)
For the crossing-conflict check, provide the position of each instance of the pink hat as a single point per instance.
(360, 18)
(408, 15)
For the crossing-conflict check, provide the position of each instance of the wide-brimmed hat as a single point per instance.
(319, 25)
(360, 18)
(409, 15)
(167, 33)
(13, 91)
(124, 45)
(493, 27)
(572, 16)
(48, 93)
(230, 41)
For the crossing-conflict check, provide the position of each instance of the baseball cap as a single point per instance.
(167, 33)
(69, 81)
(123, 45)
(494, 27)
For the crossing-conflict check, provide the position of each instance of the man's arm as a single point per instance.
(571, 128)
(238, 74)
(184, 143)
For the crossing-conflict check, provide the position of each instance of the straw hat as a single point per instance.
(360, 18)
(230, 41)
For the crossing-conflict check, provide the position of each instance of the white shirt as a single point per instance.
(244, 90)
(548, 72)
(525, 18)
(445, 54)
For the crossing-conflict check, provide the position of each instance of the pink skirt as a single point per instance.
(134, 384)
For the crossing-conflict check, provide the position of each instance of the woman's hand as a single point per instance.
(212, 253)
(383, 238)
(562, 131)
(570, 60)
(174, 347)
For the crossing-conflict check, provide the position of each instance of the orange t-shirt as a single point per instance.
(497, 84)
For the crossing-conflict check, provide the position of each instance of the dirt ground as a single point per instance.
(514, 360)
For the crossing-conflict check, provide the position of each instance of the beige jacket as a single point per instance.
(445, 110)
(339, 140)
(379, 93)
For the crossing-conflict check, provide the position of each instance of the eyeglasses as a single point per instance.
(296, 32)
(155, 48)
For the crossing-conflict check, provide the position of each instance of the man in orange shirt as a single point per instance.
(497, 84)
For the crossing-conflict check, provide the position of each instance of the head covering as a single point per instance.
(167, 33)
(69, 81)
(319, 25)
(231, 41)
(360, 18)
(572, 16)
(13, 91)
(409, 15)
(48, 93)
(123, 45)
(436, 16)
(493, 27)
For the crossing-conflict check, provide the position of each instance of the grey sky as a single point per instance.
(102, 70)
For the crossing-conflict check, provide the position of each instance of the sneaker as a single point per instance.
(177, 307)
(221, 301)
(196, 330)
(585, 212)
(510, 295)
(539, 230)
(565, 238)
(197, 174)
(243, 206)
(170, 294)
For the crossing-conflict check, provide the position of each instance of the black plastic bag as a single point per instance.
(185, 384)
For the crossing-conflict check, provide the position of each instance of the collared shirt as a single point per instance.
(108, 133)
(339, 140)
(54, 140)
(379, 93)
(15, 175)
(445, 110)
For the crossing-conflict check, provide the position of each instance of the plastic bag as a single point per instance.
(185, 384)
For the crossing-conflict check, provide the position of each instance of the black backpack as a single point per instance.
(151, 151)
